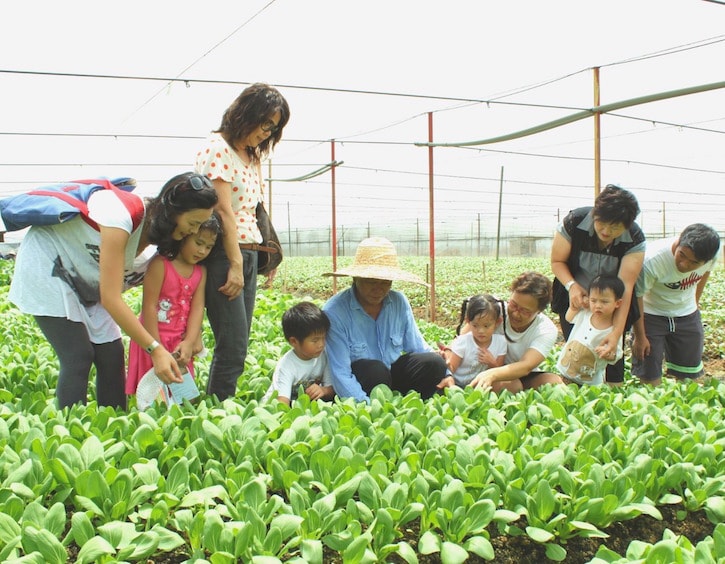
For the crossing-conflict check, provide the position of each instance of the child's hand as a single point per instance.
(485, 357)
(315, 391)
(604, 352)
(183, 353)
(447, 382)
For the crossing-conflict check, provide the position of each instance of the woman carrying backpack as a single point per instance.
(70, 276)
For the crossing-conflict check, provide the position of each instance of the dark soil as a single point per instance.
(579, 550)
(522, 550)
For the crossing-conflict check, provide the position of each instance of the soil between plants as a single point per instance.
(523, 550)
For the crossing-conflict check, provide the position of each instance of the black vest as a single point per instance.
(582, 241)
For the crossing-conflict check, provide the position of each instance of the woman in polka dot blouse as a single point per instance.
(231, 158)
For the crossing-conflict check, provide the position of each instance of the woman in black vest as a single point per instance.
(590, 241)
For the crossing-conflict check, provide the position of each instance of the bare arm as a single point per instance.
(187, 347)
(701, 288)
(529, 361)
(560, 253)
(235, 278)
(152, 282)
(113, 247)
(640, 343)
(453, 361)
(571, 313)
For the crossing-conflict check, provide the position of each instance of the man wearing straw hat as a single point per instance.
(373, 338)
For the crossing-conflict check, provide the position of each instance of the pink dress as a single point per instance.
(173, 315)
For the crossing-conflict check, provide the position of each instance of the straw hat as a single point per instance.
(376, 258)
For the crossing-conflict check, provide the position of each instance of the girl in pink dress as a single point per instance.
(173, 302)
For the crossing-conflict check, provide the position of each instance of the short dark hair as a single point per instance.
(534, 284)
(256, 104)
(304, 319)
(608, 282)
(616, 205)
(702, 239)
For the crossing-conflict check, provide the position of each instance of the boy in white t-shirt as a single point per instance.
(305, 327)
(669, 287)
(581, 360)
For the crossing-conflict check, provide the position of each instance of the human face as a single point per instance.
(603, 303)
(608, 232)
(310, 347)
(197, 247)
(482, 328)
(522, 309)
(371, 292)
(188, 222)
(263, 130)
(685, 259)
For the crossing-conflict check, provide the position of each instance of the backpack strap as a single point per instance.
(132, 203)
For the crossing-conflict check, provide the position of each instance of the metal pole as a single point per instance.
(289, 231)
(431, 209)
(664, 221)
(333, 231)
(597, 137)
(500, 203)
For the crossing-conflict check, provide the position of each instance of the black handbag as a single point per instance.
(269, 252)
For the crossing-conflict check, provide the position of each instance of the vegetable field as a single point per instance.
(629, 474)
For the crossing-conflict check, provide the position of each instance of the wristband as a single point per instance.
(152, 347)
(569, 284)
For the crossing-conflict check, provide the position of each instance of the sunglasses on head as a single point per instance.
(197, 182)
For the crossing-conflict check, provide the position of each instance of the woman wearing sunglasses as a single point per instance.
(530, 336)
(231, 158)
(71, 277)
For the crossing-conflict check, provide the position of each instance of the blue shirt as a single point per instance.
(354, 335)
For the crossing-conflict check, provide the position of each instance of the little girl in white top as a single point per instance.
(481, 347)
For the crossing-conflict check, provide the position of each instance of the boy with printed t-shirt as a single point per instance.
(305, 327)
(669, 287)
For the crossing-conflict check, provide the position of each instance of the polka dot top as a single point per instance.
(217, 159)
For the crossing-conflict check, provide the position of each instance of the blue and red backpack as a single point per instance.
(58, 203)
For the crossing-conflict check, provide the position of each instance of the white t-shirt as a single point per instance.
(466, 348)
(292, 372)
(57, 272)
(578, 361)
(540, 336)
(665, 290)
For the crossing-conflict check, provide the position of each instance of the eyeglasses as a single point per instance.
(269, 126)
(522, 310)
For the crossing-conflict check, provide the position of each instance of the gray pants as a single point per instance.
(230, 320)
(679, 340)
(76, 354)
